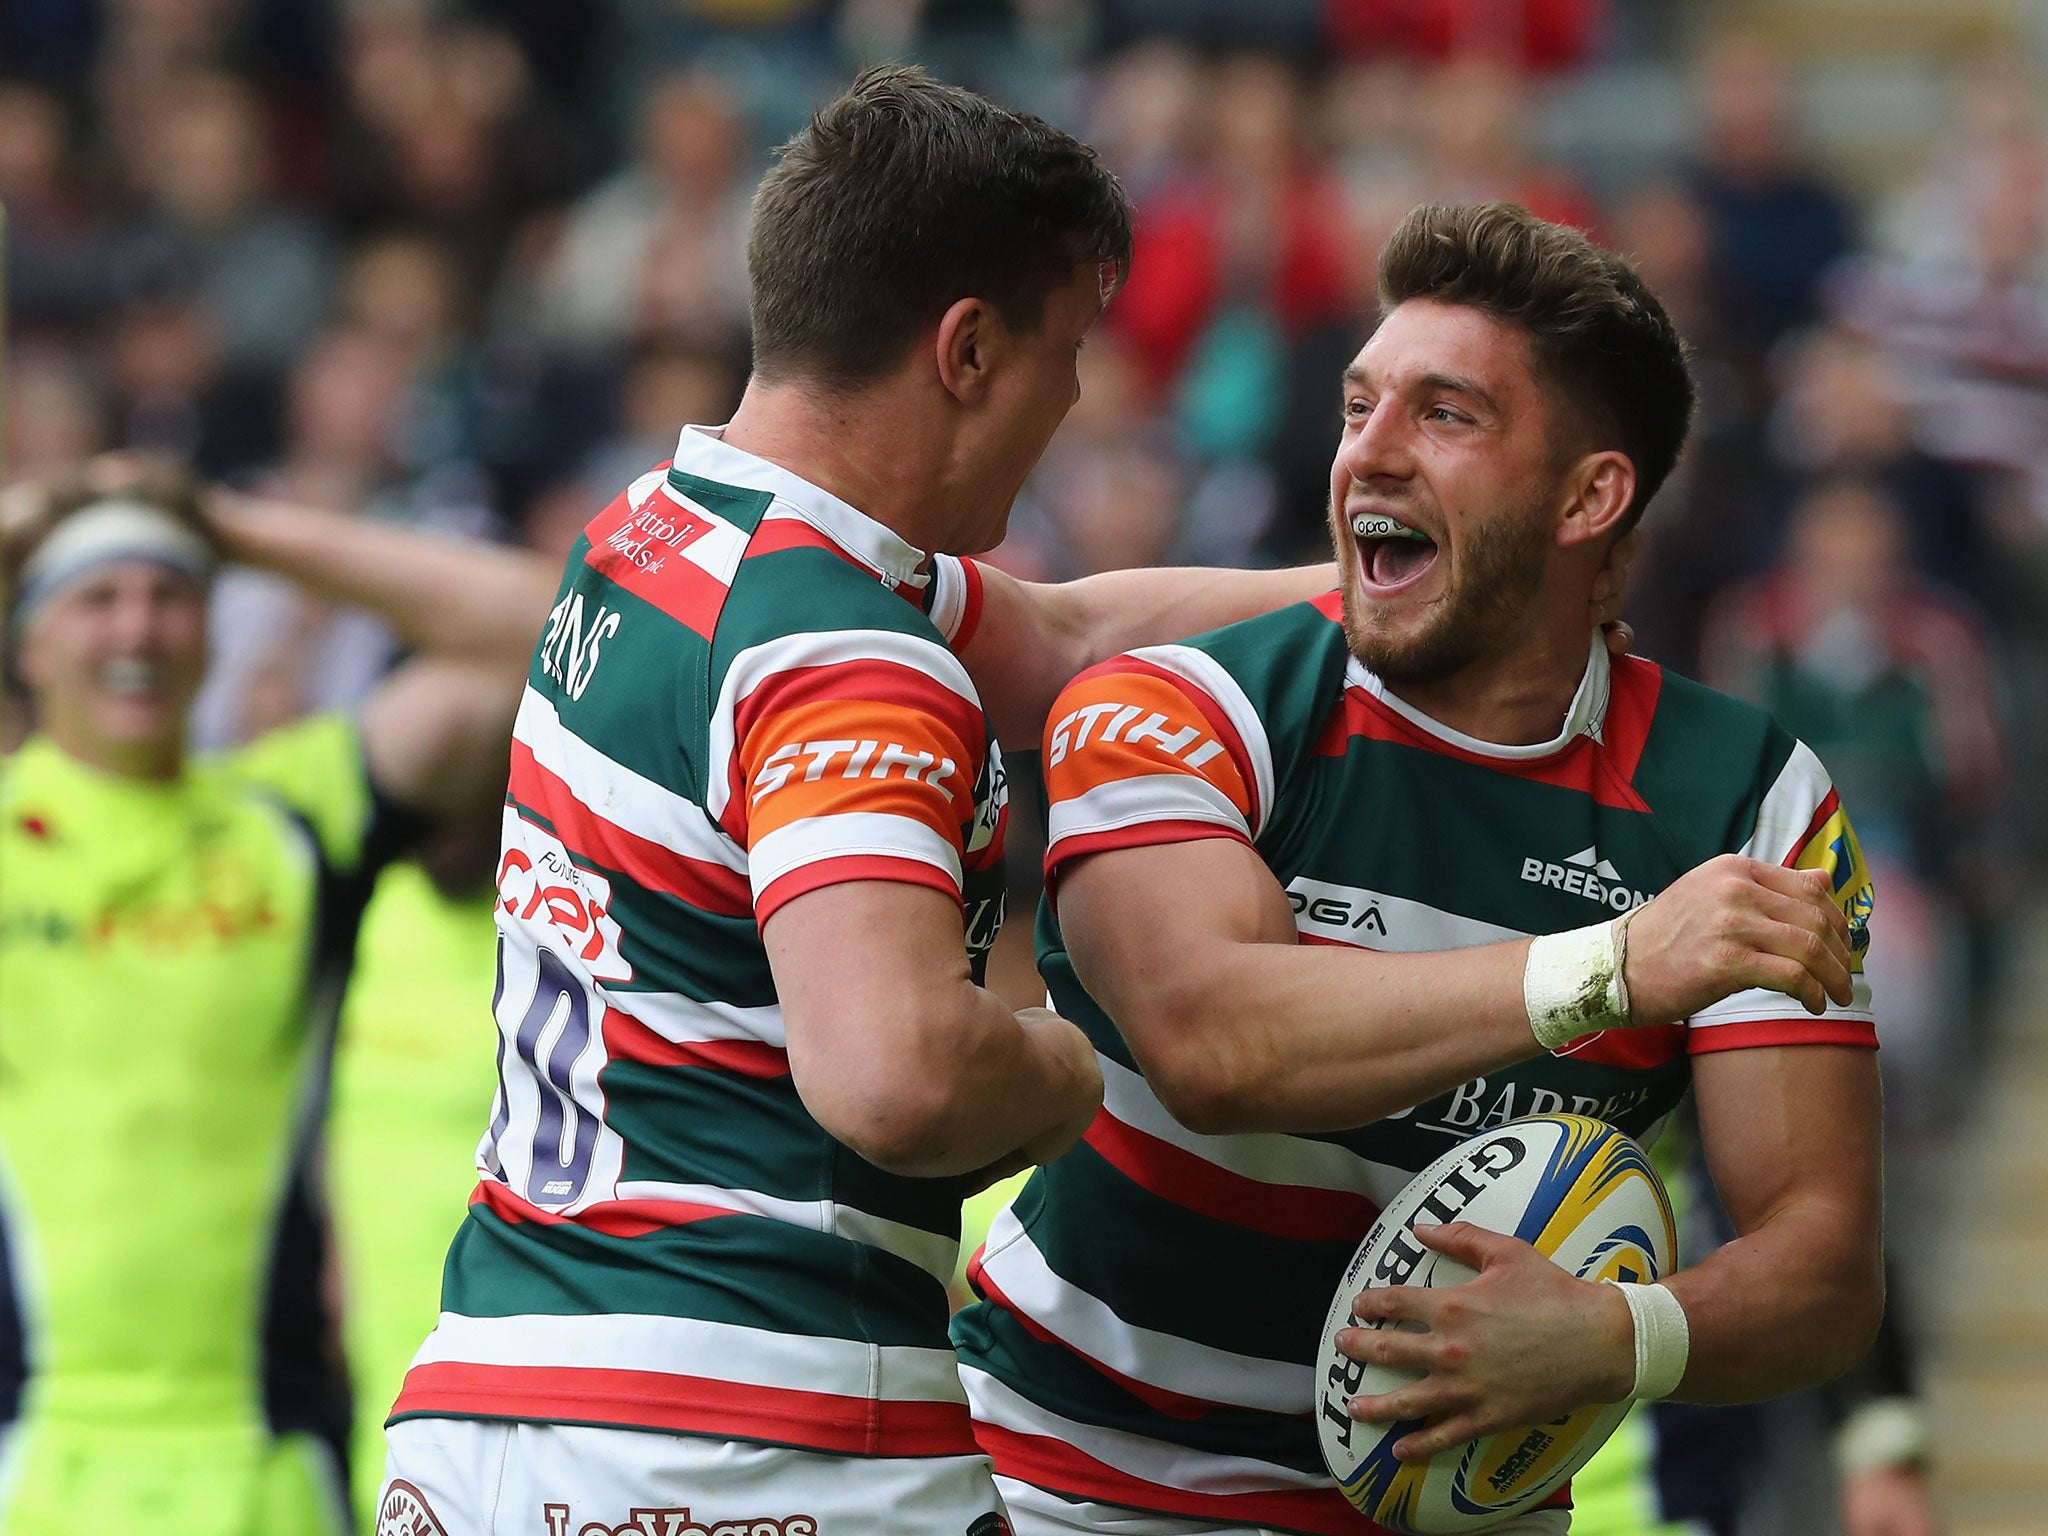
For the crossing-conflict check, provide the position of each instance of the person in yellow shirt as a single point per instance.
(174, 930)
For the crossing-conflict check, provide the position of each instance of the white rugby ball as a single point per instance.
(1585, 1195)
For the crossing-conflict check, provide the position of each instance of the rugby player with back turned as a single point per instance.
(752, 849)
(1438, 756)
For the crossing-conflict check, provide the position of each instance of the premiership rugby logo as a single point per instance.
(404, 1512)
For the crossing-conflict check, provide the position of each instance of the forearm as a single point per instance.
(1300, 1038)
(1013, 1083)
(446, 597)
(1788, 1306)
(1118, 610)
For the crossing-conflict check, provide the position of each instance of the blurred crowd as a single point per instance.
(471, 266)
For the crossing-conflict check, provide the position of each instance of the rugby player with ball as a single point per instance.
(1252, 836)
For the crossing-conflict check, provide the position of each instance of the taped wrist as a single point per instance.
(1573, 983)
(1663, 1341)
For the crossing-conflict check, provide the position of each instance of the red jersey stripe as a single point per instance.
(857, 866)
(1828, 807)
(709, 887)
(1146, 834)
(970, 613)
(1195, 1184)
(872, 683)
(691, 1405)
(1580, 765)
(1057, 1466)
(627, 1039)
(614, 1218)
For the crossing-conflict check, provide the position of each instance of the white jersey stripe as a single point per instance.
(1134, 802)
(717, 553)
(1350, 914)
(618, 794)
(849, 834)
(684, 1346)
(686, 1021)
(1208, 674)
(929, 1251)
(1788, 808)
(1269, 1158)
(1014, 1266)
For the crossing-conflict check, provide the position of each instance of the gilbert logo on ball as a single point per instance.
(1585, 1196)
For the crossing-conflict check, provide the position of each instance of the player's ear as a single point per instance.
(968, 338)
(1599, 490)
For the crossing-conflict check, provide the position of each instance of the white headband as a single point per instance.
(99, 535)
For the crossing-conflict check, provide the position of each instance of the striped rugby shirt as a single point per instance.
(746, 691)
(1152, 1300)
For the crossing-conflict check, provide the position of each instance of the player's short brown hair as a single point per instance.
(1601, 338)
(904, 196)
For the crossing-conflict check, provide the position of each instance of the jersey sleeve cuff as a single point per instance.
(1702, 1039)
(841, 871)
(1146, 834)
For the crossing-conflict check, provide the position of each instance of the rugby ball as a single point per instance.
(1586, 1196)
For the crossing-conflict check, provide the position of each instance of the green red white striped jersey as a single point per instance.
(1152, 1301)
(746, 691)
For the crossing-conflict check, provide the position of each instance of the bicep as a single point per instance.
(1151, 927)
(856, 966)
(1786, 1126)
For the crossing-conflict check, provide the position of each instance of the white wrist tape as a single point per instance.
(1573, 984)
(1663, 1341)
(1890, 1432)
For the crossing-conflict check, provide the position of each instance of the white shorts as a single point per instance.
(1034, 1512)
(462, 1477)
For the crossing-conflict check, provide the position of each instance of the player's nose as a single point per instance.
(1381, 446)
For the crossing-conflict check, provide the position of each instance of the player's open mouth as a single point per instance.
(1391, 555)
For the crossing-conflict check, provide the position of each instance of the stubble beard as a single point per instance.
(1481, 615)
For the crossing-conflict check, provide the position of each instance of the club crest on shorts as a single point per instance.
(994, 1523)
(405, 1512)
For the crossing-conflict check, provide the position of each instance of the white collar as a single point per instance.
(1586, 717)
(703, 451)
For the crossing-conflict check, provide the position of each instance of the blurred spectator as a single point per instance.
(1711, 522)
(1777, 225)
(659, 248)
(278, 652)
(1843, 409)
(1888, 679)
(1536, 34)
(171, 394)
(1482, 147)
(1146, 100)
(1968, 326)
(56, 254)
(666, 386)
(1233, 259)
(1890, 682)
(56, 414)
(444, 132)
(262, 272)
